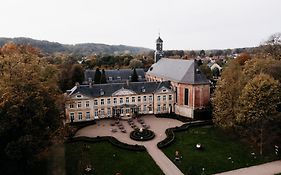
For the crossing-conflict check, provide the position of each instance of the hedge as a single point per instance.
(110, 139)
(174, 116)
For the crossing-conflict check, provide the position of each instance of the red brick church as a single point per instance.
(192, 88)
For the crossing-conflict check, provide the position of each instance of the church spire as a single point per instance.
(159, 49)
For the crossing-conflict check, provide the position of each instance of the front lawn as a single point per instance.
(221, 152)
(107, 159)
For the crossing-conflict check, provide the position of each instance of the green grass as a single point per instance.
(218, 147)
(108, 159)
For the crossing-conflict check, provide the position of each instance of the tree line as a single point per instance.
(247, 99)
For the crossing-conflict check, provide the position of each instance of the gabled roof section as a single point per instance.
(123, 91)
(107, 90)
(117, 75)
(178, 70)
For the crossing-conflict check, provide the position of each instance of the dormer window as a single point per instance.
(142, 89)
(109, 78)
(118, 78)
(164, 90)
(101, 92)
(78, 96)
(140, 77)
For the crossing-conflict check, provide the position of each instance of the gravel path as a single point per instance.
(157, 125)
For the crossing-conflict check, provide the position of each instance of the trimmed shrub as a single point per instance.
(110, 139)
(174, 116)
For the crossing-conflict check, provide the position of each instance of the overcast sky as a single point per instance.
(183, 24)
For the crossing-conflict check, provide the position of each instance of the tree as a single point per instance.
(135, 77)
(243, 57)
(30, 106)
(272, 47)
(192, 54)
(103, 77)
(238, 96)
(77, 74)
(226, 94)
(216, 72)
(257, 105)
(135, 63)
(97, 78)
(202, 53)
(206, 70)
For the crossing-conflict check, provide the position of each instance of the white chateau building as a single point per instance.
(170, 85)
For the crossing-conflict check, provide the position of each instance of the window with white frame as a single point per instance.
(144, 108)
(87, 104)
(170, 97)
(150, 108)
(127, 100)
(79, 104)
(158, 98)
(108, 101)
(121, 100)
(139, 98)
(108, 112)
(158, 108)
(79, 115)
(95, 102)
(150, 98)
(110, 78)
(96, 112)
(133, 99)
(88, 117)
(164, 97)
(164, 107)
(71, 115)
(127, 110)
(102, 112)
(121, 111)
(102, 101)
(71, 105)
(115, 100)
(144, 98)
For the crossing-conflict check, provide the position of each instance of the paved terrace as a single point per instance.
(157, 125)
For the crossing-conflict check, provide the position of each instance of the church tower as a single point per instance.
(159, 50)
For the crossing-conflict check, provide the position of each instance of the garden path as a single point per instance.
(157, 125)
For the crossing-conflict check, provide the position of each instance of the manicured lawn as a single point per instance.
(107, 159)
(221, 152)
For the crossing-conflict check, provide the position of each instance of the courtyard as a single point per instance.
(221, 152)
(157, 125)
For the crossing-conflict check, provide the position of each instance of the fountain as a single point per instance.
(142, 134)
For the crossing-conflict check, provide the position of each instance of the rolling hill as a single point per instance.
(77, 49)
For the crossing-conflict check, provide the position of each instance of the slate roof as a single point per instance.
(124, 75)
(159, 40)
(109, 89)
(178, 70)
